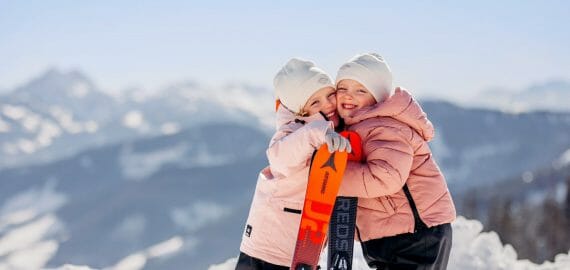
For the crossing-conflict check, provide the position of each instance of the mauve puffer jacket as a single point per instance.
(395, 135)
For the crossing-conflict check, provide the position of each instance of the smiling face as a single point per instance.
(324, 101)
(351, 96)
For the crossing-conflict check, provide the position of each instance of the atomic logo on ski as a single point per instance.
(330, 162)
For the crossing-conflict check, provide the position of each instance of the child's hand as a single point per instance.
(335, 142)
(355, 145)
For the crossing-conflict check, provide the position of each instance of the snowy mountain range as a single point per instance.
(104, 204)
(182, 207)
(60, 113)
(165, 179)
(478, 147)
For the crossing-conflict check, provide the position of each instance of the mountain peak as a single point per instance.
(71, 84)
(55, 86)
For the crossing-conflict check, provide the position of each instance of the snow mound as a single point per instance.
(472, 250)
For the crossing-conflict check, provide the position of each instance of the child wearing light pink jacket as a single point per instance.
(305, 120)
(404, 206)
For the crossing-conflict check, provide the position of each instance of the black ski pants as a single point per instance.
(246, 262)
(427, 249)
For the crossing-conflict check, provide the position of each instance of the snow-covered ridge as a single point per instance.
(29, 229)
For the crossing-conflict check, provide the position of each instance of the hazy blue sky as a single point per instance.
(438, 48)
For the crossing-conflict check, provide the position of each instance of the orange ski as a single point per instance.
(325, 175)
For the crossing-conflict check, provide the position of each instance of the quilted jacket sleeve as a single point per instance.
(290, 148)
(389, 157)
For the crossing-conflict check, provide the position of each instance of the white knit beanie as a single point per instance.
(297, 81)
(370, 70)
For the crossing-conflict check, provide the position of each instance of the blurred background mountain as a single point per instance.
(179, 164)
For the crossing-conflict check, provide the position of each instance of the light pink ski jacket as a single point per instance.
(395, 135)
(273, 222)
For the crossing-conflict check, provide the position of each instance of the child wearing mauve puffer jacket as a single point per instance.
(305, 120)
(404, 206)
